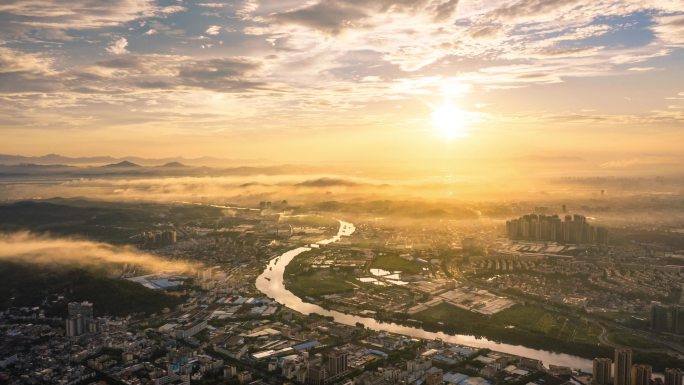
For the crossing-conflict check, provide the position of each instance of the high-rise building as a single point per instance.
(72, 327)
(84, 309)
(79, 319)
(678, 319)
(659, 318)
(158, 238)
(168, 237)
(622, 367)
(573, 229)
(315, 374)
(337, 362)
(244, 377)
(674, 376)
(667, 319)
(602, 372)
(641, 374)
(434, 376)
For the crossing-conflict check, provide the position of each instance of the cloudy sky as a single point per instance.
(345, 79)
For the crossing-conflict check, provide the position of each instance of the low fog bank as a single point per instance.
(323, 187)
(29, 248)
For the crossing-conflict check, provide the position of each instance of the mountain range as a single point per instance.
(179, 161)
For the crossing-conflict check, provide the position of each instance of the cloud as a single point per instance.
(216, 69)
(25, 72)
(31, 248)
(302, 63)
(641, 162)
(225, 74)
(118, 46)
(334, 16)
(213, 30)
(172, 9)
(530, 8)
(78, 14)
(640, 69)
(127, 73)
(247, 186)
(13, 61)
(211, 5)
(446, 10)
(329, 17)
(670, 29)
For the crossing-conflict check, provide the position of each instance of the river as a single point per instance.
(271, 283)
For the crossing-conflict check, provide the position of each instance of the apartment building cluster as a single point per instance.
(551, 228)
(622, 371)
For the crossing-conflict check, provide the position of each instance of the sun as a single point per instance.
(450, 121)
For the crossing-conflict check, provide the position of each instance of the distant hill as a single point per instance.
(53, 158)
(122, 164)
(327, 182)
(41, 166)
(173, 165)
(9, 159)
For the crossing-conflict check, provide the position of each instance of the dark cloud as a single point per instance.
(333, 16)
(525, 8)
(445, 10)
(122, 62)
(216, 69)
(126, 74)
(79, 14)
(154, 84)
(227, 75)
(13, 82)
(327, 16)
(483, 32)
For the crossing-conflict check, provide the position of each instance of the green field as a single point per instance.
(532, 326)
(312, 220)
(532, 319)
(539, 320)
(317, 282)
(635, 341)
(540, 328)
(394, 262)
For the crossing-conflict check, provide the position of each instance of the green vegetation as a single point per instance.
(393, 262)
(540, 328)
(672, 240)
(103, 221)
(29, 285)
(540, 320)
(659, 361)
(303, 280)
(532, 326)
(632, 340)
(311, 220)
(318, 282)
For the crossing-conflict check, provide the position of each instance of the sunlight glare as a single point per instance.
(450, 121)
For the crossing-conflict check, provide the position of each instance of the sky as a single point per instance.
(443, 82)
